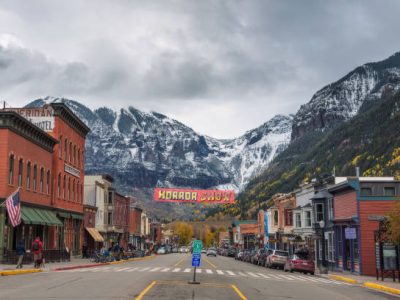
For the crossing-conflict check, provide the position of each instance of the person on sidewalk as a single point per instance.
(37, 249)
(20, 251)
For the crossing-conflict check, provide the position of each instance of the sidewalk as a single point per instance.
(51, 266)
(368, 281)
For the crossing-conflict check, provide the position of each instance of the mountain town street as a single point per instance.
(167, 276)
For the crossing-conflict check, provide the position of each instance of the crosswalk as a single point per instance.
(253, 275)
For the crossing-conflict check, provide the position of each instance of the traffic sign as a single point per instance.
(196, 259)
(197, 246)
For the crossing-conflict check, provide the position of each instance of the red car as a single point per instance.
(299, 264)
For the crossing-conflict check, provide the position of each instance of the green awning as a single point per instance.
(38, 216)
(76, 216)
(29, 216)
(65, 215)
(53, 218)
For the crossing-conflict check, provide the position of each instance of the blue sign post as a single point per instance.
(196, 259)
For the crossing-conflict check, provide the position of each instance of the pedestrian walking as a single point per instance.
(37, 249)
(20, 251)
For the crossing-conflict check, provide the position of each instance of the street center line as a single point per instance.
(210, 263)
(144, 292)
(240, 294)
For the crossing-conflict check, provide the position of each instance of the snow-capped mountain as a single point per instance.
(341, 100)
(149, 149)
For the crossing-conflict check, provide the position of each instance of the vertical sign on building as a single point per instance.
(266, 237)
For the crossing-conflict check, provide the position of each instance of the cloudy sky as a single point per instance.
(221, 67)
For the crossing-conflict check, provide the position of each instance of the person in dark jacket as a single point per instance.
(20, 251)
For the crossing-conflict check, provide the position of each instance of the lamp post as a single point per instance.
(322, 227)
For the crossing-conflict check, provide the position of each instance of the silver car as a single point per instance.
(212, 251)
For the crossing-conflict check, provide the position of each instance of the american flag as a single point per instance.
(13, 206)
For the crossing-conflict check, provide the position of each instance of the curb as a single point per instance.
(19, 272)
(342, 278)
(382, 288)
(79, 267)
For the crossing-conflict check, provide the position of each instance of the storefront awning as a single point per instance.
(76, 216)
(38, 216)
(95, 234)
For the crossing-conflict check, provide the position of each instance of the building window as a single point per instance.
(330, 208)
(276, 218)
(59, 185)
(11, 170)
(308, 218)
(110, 197)
(73, 190)
(298, 220)
(79, 158)
(81, 193)
(65, 149)
(339, 242)
(288, 217)
(41, 179)
(20, 170)
(389, 191)
(35, 177)
(83, 159)
(69, 188)
(48, 182)
(355, 248)
(70, 151)
(366, 191)
(77, 192)
(74, 155)
(28, 176)
(319, 212)
(60, 147)
(109, 220)
(64, 186)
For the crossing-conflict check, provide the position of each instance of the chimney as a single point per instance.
(357, 172)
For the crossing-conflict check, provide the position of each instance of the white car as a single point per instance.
(161, 250)
(182, 250)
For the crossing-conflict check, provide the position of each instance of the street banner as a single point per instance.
(194, 196)
(266, 237)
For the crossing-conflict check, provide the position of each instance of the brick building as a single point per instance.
(135, 220)
(63, 179)
(121, 218)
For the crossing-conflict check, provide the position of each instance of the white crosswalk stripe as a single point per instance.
(292, 277)
(264, 276)
(253, 275)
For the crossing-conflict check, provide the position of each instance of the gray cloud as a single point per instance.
(238, 61)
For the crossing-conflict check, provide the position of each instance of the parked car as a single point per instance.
(248, 255)
(260, 256)
(175, 250)
(239, 255)
(300, 264)
(204, 250)
(183, 249)
(161, 250)
(231, 252)
(277, 259)
(212, 252)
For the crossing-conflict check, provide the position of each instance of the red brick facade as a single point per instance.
(345, 205)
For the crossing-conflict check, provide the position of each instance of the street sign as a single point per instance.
(196, 259)
(197, 246)
(350, 233)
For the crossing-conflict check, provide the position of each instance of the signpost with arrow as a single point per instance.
(196, 258)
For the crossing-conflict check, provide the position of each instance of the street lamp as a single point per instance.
(322, 226)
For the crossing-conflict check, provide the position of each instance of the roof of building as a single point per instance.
(21, 126)
(63, 111)
(322, 194)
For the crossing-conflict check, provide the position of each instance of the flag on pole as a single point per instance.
(13, 206)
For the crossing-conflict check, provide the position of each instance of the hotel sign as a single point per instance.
(42, 117)
(193, 196)
(71, 170)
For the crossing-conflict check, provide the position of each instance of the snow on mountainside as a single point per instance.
(149, 149)
(342, 100)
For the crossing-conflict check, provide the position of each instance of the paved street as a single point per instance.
(166, 277)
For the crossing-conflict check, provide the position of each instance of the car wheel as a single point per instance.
(291, 270)
(311, 273)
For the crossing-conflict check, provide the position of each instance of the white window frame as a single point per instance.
(305, 219)
(331, 246)
(297, 214)
(320, 249)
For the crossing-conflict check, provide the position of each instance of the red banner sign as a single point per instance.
(193, 196)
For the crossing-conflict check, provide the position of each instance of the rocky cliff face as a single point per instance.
(343, 99)
(149, 149)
